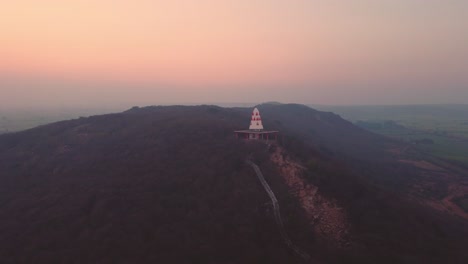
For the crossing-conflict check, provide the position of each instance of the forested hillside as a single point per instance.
(170, 185)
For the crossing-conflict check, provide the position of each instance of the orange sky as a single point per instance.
(182, 51)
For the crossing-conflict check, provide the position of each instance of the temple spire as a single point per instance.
(256, 120)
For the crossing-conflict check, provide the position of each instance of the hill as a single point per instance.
(400, 167)
(170, 185)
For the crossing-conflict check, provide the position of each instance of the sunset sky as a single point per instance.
(86, 53)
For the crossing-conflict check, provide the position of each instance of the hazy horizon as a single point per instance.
(121, 53)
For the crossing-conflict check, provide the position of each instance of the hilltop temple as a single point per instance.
(256, 130)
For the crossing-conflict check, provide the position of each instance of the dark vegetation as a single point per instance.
(169, 185)
(371, 184)
(337, 139)
(462, 202)
(375, 158)
(152, 185)
(386, 223)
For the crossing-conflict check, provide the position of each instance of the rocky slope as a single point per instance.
(325, 215)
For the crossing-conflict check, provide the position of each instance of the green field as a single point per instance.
(441, 130)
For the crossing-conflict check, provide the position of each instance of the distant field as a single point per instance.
(441, 130)
(12, 120)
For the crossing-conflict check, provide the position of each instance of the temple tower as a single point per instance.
(256, 130)
(256, 121)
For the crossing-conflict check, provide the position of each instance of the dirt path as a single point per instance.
(432, 175)
(277, 213)
(448, 205)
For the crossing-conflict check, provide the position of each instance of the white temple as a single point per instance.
(256, 121)
(256, 130)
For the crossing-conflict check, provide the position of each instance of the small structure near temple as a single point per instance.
(255, 130)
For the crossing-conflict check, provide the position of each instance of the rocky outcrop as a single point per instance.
(328, 219)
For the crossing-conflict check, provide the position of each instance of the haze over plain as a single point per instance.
(104, 53)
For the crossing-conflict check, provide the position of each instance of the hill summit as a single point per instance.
(171, 185)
